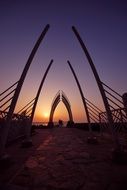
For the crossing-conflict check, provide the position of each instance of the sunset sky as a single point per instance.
(102, 25)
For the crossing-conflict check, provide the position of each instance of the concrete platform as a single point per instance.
(61, 159)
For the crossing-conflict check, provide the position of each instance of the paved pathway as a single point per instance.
(64, 161)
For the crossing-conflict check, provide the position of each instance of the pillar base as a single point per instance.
(92, 140)
(50, 124)
(119, 156)
(27, 144)
(70, 124)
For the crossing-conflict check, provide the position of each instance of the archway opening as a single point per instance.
(60, 97)
(61, 114)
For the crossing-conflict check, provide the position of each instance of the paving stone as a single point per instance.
(64, 161)
(12, 187)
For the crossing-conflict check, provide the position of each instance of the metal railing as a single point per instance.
(93, 111)
(27, 109)
(117, 110)
(5, 99)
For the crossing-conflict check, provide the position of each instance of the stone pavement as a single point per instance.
(64, 161)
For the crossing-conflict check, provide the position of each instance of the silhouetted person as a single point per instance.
(60, 123)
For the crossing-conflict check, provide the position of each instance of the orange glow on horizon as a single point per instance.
(60, 113)
(46, 115)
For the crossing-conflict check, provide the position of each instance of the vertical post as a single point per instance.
(100, 86)
(82, 96)
(124, 97)
(18, 89)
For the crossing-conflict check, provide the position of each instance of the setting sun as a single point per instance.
(46, 115)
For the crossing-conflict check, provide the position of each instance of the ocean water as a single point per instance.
(46, 123)
(40, 123)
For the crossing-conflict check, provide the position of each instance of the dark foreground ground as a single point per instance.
(61, 159)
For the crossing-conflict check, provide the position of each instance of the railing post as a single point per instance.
(124, 97)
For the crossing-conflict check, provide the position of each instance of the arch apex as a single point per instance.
(60, 96)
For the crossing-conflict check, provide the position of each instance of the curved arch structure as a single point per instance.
(18, 89)
(60, 96)
(82, 96)
(55, 102)
(39, 91)
(28, 130)
(100, 86)
(68, 106)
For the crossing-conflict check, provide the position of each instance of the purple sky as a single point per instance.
(102, 25)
